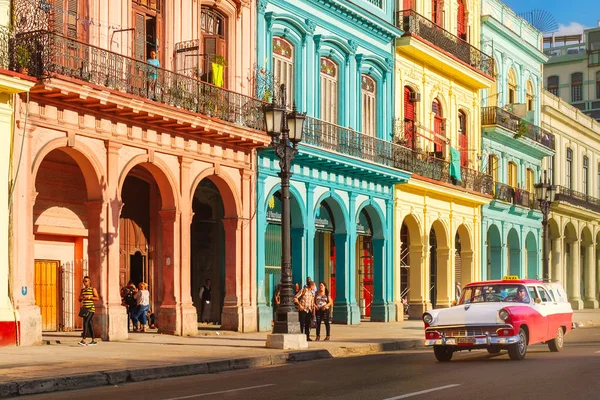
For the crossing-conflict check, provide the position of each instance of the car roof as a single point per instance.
(507, 282)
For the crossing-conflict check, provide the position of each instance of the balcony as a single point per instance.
(413, 24)
(49, 55)
(579, 199)
(516, 196)
(497, 116)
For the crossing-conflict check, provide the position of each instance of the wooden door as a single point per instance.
(46, 290)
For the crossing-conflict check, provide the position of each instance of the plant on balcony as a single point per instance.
(522, 128)
(23, 58)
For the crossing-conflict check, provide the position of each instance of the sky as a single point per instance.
(572, 16)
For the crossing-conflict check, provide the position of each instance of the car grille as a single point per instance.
(465, 331)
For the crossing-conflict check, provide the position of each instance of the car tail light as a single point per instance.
(505, 332)
(432, 335)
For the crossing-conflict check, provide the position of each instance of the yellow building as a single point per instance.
(439, 73)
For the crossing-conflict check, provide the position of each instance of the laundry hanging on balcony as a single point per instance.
(455, 164)
(217, 74)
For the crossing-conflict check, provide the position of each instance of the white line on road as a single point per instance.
(407, 395)
(223, 391)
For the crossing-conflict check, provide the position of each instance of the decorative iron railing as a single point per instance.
(415, 24)
(503, 192)
(43, 54)
(523, 198)
(516, 196)
(577, 198)
(520, 127)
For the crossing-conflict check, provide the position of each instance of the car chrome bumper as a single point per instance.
(478, 341)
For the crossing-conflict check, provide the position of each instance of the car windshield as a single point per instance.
(495, 293)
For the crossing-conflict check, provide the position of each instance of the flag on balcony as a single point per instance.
(455, 164)
(217, 74)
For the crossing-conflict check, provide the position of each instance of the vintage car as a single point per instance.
(503, 314)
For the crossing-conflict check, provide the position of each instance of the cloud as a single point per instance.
(574, 28)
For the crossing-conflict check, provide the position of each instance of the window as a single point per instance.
(407, 4)
(552, 84)
(283, 67)
(214, 42)
(577, 86)
(529, 96)
(512, 174)
(463, 139)
(329, 90)
(512, 86)
(66, 18)
(544, 296)
(147, 24)
(439, 128)
(369, 106)
(598, 85)
(492, 168)
(461, 24)
(436, 12)
(551, 170)
(409, 117)
(586, 162)
(529, 180)
(569, 177)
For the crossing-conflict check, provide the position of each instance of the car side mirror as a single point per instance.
(538, 300)
(453, 303)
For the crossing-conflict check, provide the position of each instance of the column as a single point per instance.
(232, 315)
(381, 310)
(247, 278)
(310, 231)
(418, 295)
(466, 258)
(265, 313)
(574, 290)
(300, 268)
(590, 277)
(168, 265)
(556, 256)
(445, 290)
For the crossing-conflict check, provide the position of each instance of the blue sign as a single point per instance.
(24, 290)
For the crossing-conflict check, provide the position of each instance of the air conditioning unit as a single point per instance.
(415, 97)
(518, 109)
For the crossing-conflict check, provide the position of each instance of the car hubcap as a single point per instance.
(559, 337)
(521, 344)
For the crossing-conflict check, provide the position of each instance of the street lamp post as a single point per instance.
(285, 130)
(545, 193)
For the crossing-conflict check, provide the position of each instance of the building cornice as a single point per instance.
(499, 28)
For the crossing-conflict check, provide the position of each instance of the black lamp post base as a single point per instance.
(286, 322)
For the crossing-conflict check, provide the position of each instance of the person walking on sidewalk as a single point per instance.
(305, 299)
(323, 305)
(87, 297)
(205, 301)
(143, 305)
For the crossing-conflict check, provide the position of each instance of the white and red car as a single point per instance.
(506, 314)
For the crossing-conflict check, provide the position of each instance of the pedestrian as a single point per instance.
(323, 303)
(142, 298)
(87, 297)
(205, 301)
(305, 299)
(128, 300)
(152, 74)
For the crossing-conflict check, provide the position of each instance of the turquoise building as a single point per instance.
(513, 144)
(336, 59)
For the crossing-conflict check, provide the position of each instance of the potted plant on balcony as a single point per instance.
(522, 129)
(23, 58)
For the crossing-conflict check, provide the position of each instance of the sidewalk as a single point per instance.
(63, 365)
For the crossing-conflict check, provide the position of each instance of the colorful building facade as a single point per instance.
(343, 175)
(135, 166)
(513, 145)
(439, 73)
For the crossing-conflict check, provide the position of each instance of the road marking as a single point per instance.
(407, 395)
(223, 391)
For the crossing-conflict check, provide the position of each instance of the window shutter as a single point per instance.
(139, 46)
(407, 5)
(409, 106)
(461, 26)
(72, 18)
(59, 16)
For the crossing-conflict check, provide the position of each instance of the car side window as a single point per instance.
(532, 293)
(544, 296)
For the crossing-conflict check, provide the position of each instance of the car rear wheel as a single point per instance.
(558, 342)
(494, 349)
(442, 353)
(518, 350)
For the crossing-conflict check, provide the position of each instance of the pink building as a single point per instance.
(131, 171)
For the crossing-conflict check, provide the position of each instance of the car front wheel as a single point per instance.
(558, 342)
(442, 353)
(518, 350)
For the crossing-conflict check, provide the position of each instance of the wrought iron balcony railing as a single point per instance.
(577, 198)
(43, 54)
(516, 196)
(503, 192)
(415, 24)
(520, 127)
(523, 198)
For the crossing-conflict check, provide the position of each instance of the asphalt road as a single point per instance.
(571, 374)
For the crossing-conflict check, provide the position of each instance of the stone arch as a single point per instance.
(532, 253)
(513, 248)
(229, 193)
(495, 267)
(464, 272)
(377, 218)
(297, 207)
(440, 266)
(340, 213)
(88, 162)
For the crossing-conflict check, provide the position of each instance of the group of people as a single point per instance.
(314, 303)
(137, 301)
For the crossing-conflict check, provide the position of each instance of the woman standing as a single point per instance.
(87, 297)
(323, 305)
(143, 305)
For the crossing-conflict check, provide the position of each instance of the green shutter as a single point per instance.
(273, 246)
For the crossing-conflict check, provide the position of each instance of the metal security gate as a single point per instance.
(71, 277)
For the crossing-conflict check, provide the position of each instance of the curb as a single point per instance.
(586, 324)
(102, 378)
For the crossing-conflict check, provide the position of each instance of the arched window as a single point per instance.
(586, 181)
(369, 106)
(214, 42)
(529, 180)
(552, 84)
(512, 174)
(409, 117)
(436, 12)
(569, 171)
(529, 95)
(461, 20)
(463, 139)
(439, 128)
(512, 86)
(329, 90)
(283, 66)
(577, 86)
(492, 168)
